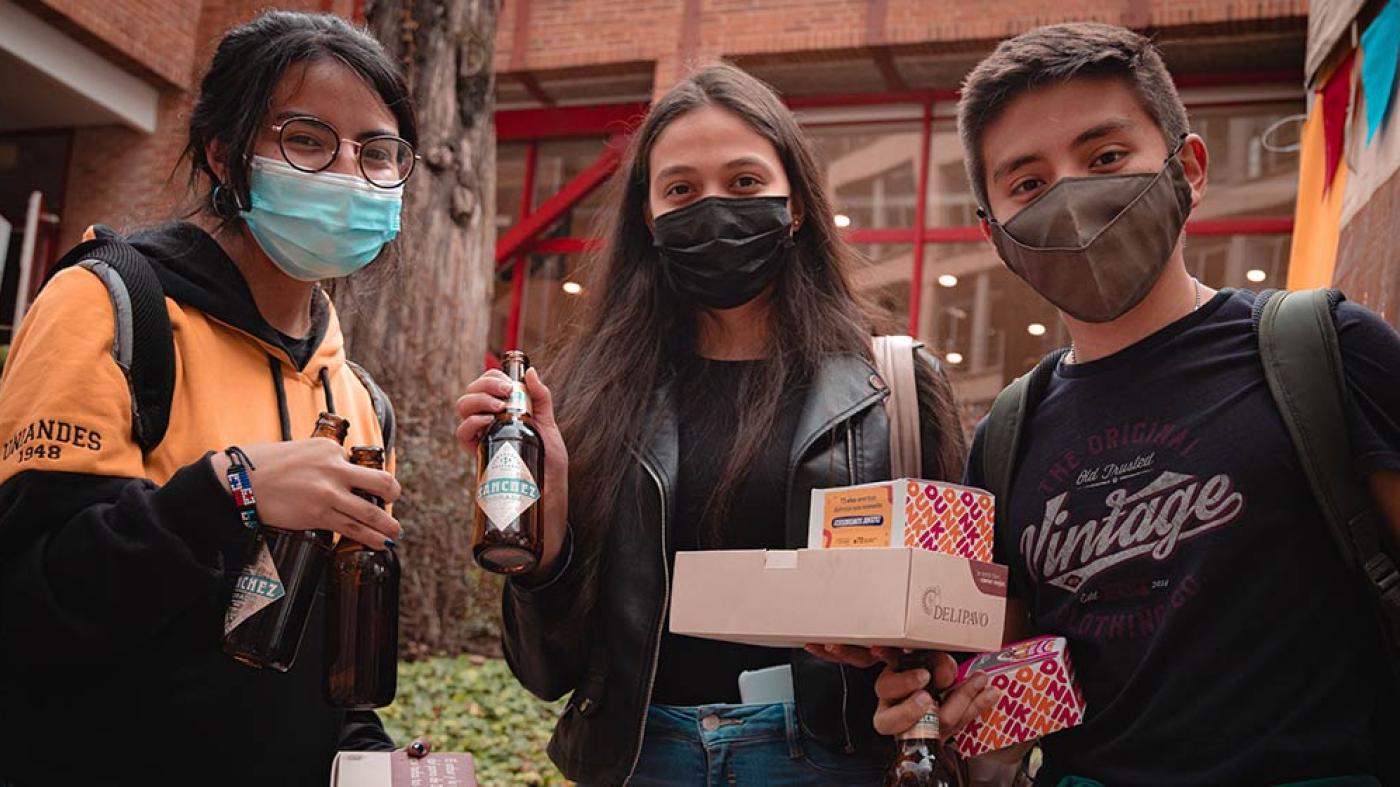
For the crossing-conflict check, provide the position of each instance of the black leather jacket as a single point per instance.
(609, 660)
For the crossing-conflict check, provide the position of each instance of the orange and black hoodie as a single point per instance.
(116, 566)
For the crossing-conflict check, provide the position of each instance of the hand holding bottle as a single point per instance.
(485, 398)
(309, 485)
(907, 694)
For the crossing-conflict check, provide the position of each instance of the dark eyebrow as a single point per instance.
(747, 161)
(1102, 130)
(288, 114)
(674, 169)
(382, 132)
(1015, 164)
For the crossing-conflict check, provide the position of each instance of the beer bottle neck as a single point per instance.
(926, 728)
(518, 401)
(514, 366)
(331, 427)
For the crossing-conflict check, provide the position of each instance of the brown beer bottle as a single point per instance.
(921, 759)
(362, 615)
(272, 596)
(507, 536)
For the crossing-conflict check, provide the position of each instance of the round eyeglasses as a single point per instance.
(311, 145)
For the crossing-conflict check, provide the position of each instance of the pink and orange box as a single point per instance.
(905, 512)
(1039, 695)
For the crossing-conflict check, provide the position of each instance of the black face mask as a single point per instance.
(721, 252)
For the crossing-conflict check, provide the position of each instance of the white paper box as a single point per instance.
(898, 597)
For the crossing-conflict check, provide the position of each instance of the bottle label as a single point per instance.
(507, 488)
(926, 728)
(518, 402)
(257, 586)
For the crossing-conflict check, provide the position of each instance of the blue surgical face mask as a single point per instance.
(318, 225)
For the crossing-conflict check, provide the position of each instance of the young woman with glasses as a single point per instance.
(118, 558)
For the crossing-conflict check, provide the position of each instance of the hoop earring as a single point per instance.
(221, 205)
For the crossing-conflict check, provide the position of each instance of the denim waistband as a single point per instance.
(718, 725)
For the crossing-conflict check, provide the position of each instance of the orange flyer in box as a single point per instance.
(858, 517)
(1039, 696)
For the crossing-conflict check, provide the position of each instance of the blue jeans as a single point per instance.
(715, 745)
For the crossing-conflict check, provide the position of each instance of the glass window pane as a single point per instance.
(984, 323)
(950, 199)
(987, 325)
(560, 161)
(871, 172)
(882, 278)
(1254, 262)
(547, 304)
(557, 162)
(1245, 179)
(510, 180)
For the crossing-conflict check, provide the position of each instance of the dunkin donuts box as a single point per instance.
(1039, 695)
(905, 512)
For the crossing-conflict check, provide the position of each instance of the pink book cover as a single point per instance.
(435, 770)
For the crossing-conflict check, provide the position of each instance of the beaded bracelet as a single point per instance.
(242, 486)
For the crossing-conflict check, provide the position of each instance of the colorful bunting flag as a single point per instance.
(1336, 102)
(1380, 58)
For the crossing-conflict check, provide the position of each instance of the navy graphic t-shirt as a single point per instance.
(1160, 521)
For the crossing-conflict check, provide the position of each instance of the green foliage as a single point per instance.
(473, 704)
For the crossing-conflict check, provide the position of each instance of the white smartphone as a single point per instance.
(767, 685)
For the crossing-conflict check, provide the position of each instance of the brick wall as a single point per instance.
(1367, 268)
(128, 179)
(579, 33)
(153, 38)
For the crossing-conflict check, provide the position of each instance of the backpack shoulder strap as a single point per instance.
(143, 345)
(894, 359)
(383, 407)
(1302, 362)
(1002, 440)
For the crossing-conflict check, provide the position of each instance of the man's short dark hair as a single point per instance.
(1058, 53)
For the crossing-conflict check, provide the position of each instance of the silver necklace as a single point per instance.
(1070, 358)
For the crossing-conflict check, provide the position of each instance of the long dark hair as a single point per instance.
(632, 326)
(236, 92)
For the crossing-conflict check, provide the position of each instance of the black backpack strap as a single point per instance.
(383, 407)
(143, 345)
(1302, 361)
(1002, 440)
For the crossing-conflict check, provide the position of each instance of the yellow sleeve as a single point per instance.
(64, 402)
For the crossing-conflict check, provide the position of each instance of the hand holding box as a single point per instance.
(1040, 695)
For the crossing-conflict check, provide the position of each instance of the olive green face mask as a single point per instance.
(1094, 246)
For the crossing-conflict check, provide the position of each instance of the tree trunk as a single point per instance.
(419, 323)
